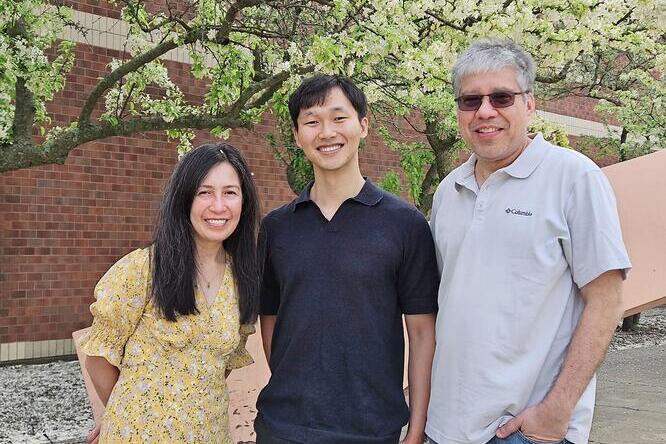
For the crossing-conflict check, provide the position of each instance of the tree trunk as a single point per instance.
(623, 140)
(443, 165)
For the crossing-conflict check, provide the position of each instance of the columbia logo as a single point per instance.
(518, 212)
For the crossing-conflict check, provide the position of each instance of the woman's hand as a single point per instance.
(93, 436)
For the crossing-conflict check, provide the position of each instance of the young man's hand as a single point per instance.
(413, 438)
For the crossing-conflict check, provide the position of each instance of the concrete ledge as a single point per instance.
(581, 127)
(111, 33)
(17, 352)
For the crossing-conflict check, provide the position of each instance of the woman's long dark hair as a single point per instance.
(173, 259)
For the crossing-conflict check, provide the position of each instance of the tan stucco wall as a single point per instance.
(640, 188)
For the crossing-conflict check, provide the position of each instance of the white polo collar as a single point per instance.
(521, 168)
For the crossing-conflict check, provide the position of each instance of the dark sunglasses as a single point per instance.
(473, 102)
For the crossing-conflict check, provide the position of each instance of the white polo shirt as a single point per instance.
(512, 257)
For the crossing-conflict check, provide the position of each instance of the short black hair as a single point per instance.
(314, 90)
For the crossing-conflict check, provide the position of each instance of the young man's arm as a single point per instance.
(549, 420)
(267, 323)
(421, 333)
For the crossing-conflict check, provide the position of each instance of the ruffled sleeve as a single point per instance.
(241, 357)
(120, 298)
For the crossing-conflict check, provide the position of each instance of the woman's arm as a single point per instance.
(103, 376)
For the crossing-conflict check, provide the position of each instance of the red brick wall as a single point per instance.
(97, 7)
(64, 225)
(601, 159)
(106, 9)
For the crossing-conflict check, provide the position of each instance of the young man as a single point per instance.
(343, 262)
(532, 261)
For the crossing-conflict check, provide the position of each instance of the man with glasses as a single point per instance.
(531, 259)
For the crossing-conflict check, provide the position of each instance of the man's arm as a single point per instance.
(549, 420)
(267, 323)
(421, 333)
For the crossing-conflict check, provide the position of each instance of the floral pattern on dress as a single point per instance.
(171, 387)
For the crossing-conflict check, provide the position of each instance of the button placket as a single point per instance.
(484, 195)
(480, 205)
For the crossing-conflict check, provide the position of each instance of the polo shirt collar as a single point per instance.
(369, 195)
(521, 168)
(303, 197)
(465, 177)
(529, 159)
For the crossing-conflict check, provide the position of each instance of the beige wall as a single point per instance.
(640, 188)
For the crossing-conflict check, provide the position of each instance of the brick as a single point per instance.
(64, 225)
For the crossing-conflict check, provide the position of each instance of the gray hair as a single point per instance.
(493, 55)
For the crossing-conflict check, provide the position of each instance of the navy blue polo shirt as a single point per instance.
(339, 289)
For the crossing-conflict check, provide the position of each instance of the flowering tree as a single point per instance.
(245, 51)
(252, 53)
(609, 50)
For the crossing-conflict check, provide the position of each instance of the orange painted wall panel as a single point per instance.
(640, 188)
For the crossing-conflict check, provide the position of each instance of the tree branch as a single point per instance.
(17, 156)
(442, 148)
(625, 17)
(230, 17)
(557, 77)
(137, 62)
(425, 199)
(57, 149)
(269, 85)
(24, 110)
(469, 21)
(600, 96)
(24, 113)
(132, 65)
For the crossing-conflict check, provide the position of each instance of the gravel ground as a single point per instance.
(47, 403)
(651, 330)
(43, 404)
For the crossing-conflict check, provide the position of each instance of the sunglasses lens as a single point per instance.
(497, 100)
(469, 103)
(501, 100)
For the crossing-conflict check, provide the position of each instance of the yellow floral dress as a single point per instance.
(171, 387)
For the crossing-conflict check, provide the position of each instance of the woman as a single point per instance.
(171, 320)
